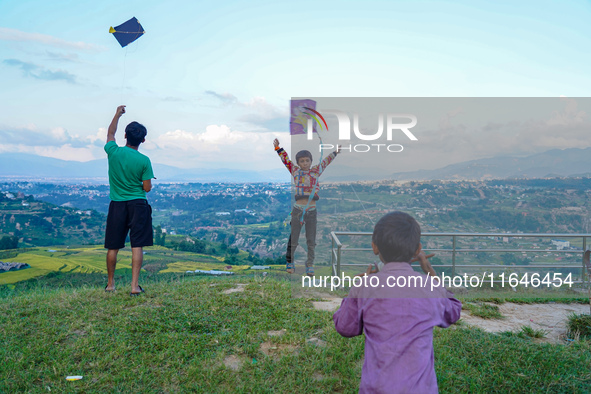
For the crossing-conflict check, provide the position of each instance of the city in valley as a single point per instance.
(248, 224)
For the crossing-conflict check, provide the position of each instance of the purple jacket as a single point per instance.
(398, 331)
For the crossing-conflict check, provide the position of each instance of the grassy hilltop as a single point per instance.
(242, 334)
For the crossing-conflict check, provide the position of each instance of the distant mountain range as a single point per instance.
(562, 163)
(571, 162)
(38, 167)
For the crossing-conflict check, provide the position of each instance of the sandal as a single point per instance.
(290, 268)
(137, 294)
(310, 271)
(109, 291)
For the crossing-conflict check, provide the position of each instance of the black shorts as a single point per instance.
(133, 216)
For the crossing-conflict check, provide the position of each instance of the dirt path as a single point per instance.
(549, 317)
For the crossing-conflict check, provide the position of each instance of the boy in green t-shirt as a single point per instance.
(130, 178)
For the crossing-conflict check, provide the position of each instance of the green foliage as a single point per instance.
(513, 259)
(526, 332)
(579, 325)
(533, 333)
(42, 224)
(8, 242)
(159, 236)
(231, 259)
(191, 245)
(482, 310)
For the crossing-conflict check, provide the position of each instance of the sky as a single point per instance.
(212, 81)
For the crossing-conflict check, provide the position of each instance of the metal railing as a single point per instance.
(337, 250)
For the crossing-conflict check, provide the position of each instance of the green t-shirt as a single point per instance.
(127, 169)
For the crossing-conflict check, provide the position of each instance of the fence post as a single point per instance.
(584, 274)
(332, 253)
(339, 260)
(453, 257)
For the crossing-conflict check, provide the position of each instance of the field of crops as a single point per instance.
(92, 260)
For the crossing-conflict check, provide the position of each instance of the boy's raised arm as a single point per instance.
(328, 159)
(284, 157)
(426, 264)
(113, 126)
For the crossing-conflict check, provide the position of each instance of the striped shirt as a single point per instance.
(305, 182)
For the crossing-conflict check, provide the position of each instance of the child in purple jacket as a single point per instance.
(398, 315)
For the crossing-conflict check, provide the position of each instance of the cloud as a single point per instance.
(264, 114)
(7, 34)
(534, 131)
(64, 152)
(55, 137)
(173, 99)
(257, 111)
(63, 57)
(31, 136)
(218, 145)
(56, 143)
(67, 152)
(211, 140)
(568, 116)
(225, 98)
(38, 72)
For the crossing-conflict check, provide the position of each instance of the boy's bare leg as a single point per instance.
(137, 258)
(111, 263)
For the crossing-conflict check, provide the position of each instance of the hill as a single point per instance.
(29, 166)
(239, 335)
(38, 223)
(571, 162)
(553, 163)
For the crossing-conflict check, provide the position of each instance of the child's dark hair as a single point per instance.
(135, 133)
(303, 153)
(397, 236)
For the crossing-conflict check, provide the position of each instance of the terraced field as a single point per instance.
(87, 260)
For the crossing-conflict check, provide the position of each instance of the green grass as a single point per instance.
(564, 295)
(533, 333)
(176, 336)
(183, 266)
(525, 332)
(579, 325)
(484, 311)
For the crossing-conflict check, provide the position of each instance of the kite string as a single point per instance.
(316, 186)
(123, 80)
(363, 206)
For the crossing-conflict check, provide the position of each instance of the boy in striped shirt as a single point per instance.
(305, 181)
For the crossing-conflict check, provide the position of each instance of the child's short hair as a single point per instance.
(135, 133)
(303, 153)
(397, 236)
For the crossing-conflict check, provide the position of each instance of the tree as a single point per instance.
(9, 242)
(159, 236)
(231, 259)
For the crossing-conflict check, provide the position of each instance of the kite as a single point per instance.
(127, 32)
(301, 111)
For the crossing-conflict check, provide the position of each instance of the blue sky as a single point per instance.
(212, 80)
